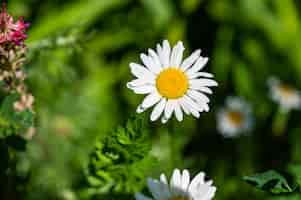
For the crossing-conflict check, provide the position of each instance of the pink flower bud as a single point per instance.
(11, 31)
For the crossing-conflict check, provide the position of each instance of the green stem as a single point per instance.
(171, 133)
(280, 122)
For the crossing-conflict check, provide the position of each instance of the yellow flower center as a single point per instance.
(286, 90)
(172, 83)
(178, 198)
(235, 117)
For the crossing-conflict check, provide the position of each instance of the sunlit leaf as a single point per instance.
(270, 181)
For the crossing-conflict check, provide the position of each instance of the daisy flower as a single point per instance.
(172, 85)
(286, 96)
(235, 118)
(180, 187)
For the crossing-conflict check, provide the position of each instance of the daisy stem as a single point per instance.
(172, 146)
(280, 122)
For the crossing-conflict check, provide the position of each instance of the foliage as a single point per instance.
(13, 130)
(120, 160)
(77, 67)
(12, 122)
(271, 181)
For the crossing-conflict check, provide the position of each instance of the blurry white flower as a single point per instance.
(286, 96)
(180, 187)
(235, 118)
(172, 85)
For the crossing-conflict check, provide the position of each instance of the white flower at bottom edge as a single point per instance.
(235, 118)
(172, 85)
(180, 187)
(286, 96)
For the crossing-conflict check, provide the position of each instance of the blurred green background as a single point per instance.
(79, 51)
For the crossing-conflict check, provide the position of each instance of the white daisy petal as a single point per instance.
(139, 196)
(178, 112)
(149, 101)
(188, 62)
(175, 182)
(185, 180)
(192, 104)
(138, 83)
(169, 108)
(193, 108)
(210, 182)
(141, 72)
(158, 110)
(165, 56)
(184, 106)
(205, 90)
(144, 89)
(203, 191)
(164, 187)
(160, 53)
(199, 97)
(177, 55)
(154, 187)
(200, 74)
(163, 179)
(149, 63)
(199, 65)
(194, 112)
(159, 190)
(146, 61)
(199, 179)
(203, 82)
(206, 107)
(211, 192)
(180, 186)
(164, 119)
(156, 59)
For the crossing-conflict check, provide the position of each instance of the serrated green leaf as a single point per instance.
(270, 181)
(120, 160)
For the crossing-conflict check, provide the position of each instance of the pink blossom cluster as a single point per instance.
(11, 31)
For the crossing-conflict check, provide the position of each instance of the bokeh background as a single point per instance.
(79, 51)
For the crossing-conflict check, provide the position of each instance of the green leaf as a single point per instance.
(12, 122)
(7, 109)
(25, 119)
(120, 160)
(270, 181)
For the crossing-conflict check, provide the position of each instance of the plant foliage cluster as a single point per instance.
(119, 161)
(77, 70)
